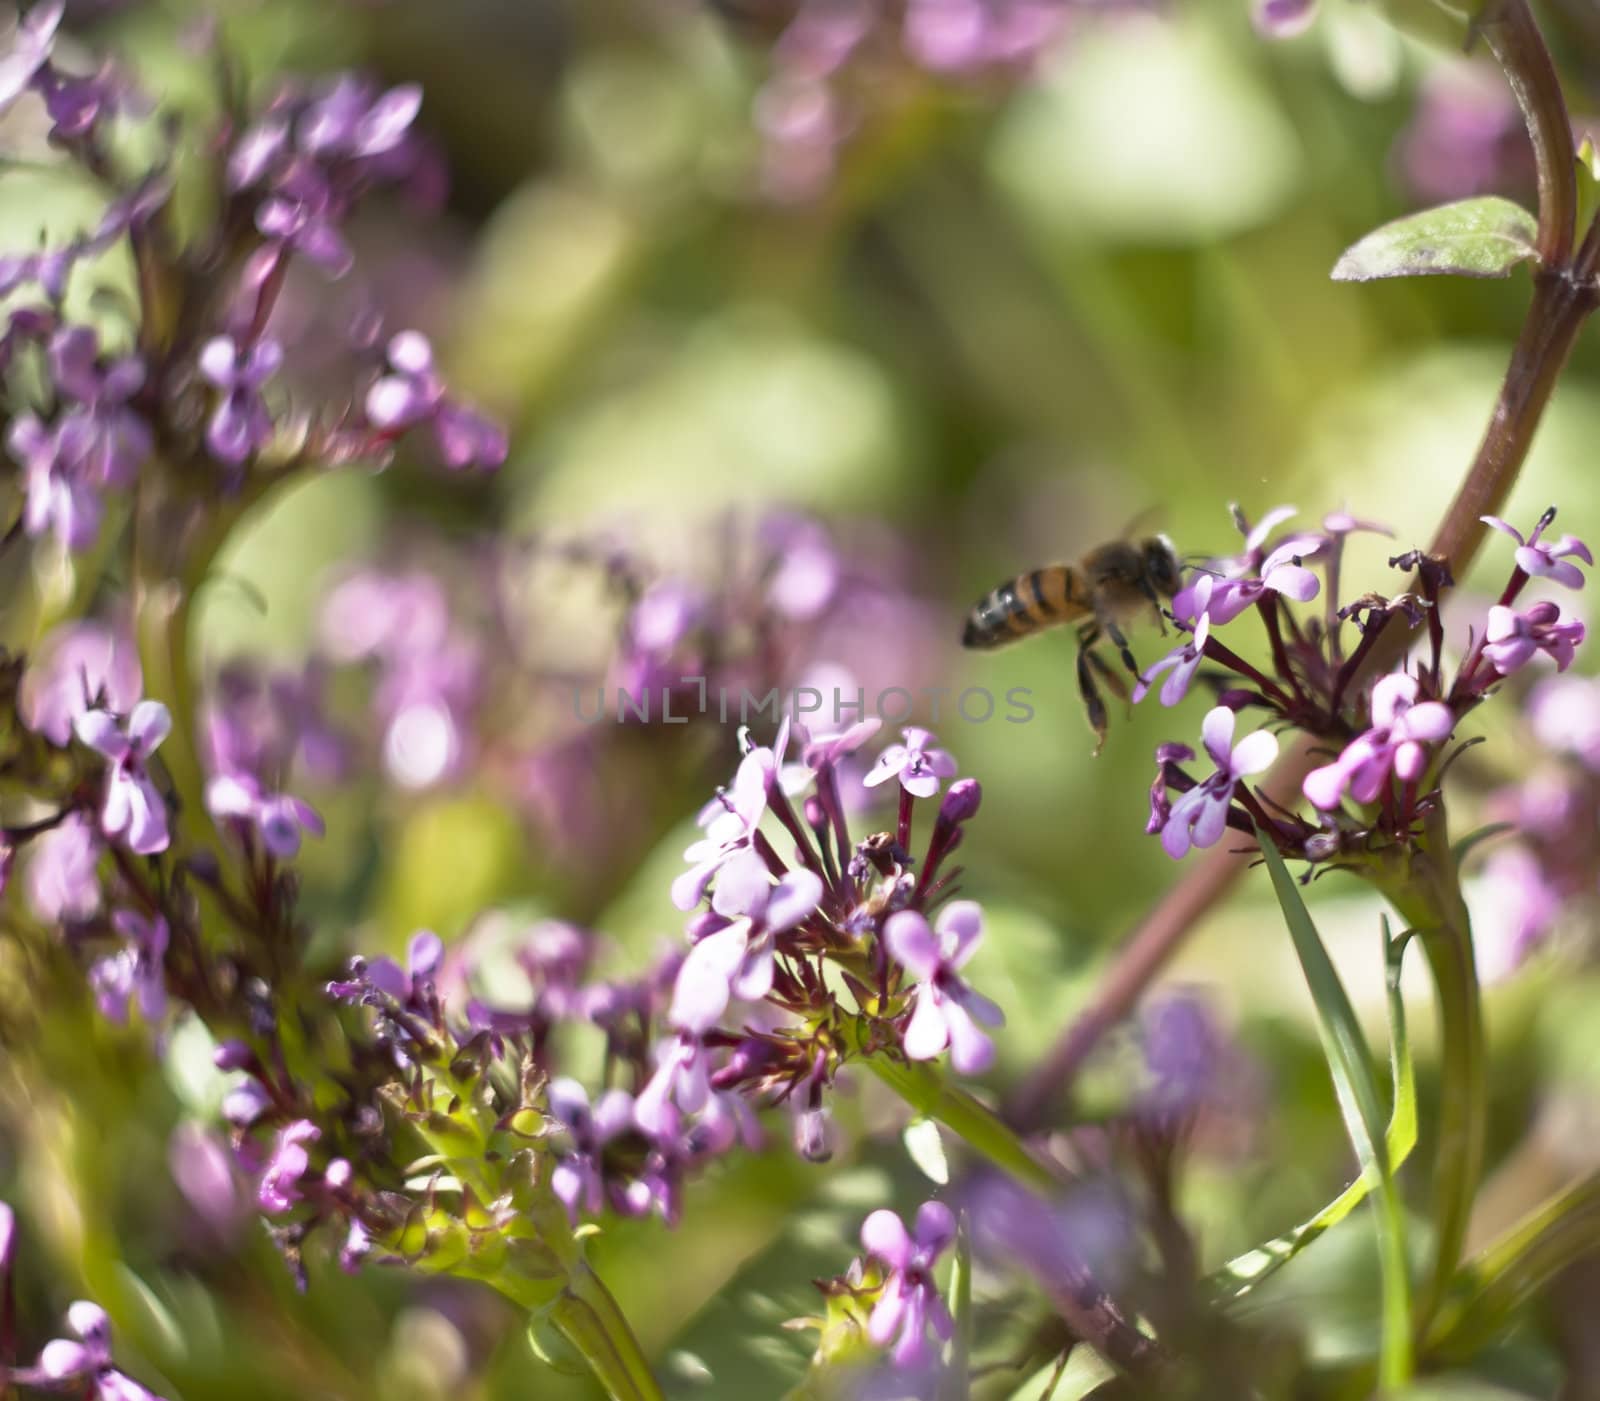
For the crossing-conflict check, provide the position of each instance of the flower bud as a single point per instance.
(962, 801)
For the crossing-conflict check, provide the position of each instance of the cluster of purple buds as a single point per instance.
(1386, 742)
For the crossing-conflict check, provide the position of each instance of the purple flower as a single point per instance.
(1542, 559)
(134, 973)
(736, 959)
(1519, 906)
(947, 1011)
(79, 667)
(1182, 662)
(280, 818)
(29, 49)
(576, 1178)
(412, 393)
(1198, 817)
(290, 1160)
(241, 424)
(910, 1304)
(1400, 728)
(134, 809)
(1182, 1055)
(1223, 600)
(1511, 639)
(202, 1168)
(84, 1359)
(385, 977)
(917, 765)
(729, 822)
(110, 440)
(682, 1078)
(1283, 19)
(301, 215)
(60, 883)
(59, 497)
(348, 122)
(76, 102)
(1565, 714)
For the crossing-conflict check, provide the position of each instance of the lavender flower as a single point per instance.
(682, 1078)
(947, 1010)
(134, 809)
(134, 973)
(30, 46)
(1183, 661)
(729, 822)
(280, 1183)
(1223, 600)
(577, 1179)
(412, 393)
(241, 424)
(113, 440)
(79, 667)
(1543, 559)
(1512, 639)
(910, 1305)
(916, 763)
(60, 498)
(84, 1360)
(280, 818)
(1283, 19)
(1394, 744)
(735, 959)
(60, 883)
(1199, 816)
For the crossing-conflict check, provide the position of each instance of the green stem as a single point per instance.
(1428, 896)
(590, 1319)
(981, 1129)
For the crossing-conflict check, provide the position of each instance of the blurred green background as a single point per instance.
(1021, 316)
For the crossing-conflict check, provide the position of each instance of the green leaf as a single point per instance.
(1472, 840)
(1484, 237)
(926, 1150)
(1494, 1284)
(1356, 1089)
(1245, 1272)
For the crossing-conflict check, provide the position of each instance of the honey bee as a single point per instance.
(1106, 588)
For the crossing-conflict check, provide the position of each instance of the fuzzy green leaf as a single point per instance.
(1484, 237)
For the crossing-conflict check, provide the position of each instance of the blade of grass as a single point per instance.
(1356, 1088)
(1242, 1274)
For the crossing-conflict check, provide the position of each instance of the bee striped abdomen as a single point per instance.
(1024, 605)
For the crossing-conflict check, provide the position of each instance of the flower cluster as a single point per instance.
(1387, 739)
(201, 371)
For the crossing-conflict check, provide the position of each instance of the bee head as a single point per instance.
(1162, 566)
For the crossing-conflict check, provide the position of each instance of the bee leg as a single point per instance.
(1109, 674)
(1121, 643)
(1092, 700)
(1149, 591)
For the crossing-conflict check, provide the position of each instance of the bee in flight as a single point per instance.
(1106, 588)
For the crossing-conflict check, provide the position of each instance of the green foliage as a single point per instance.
(1484, 237)
(1350, 1064)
